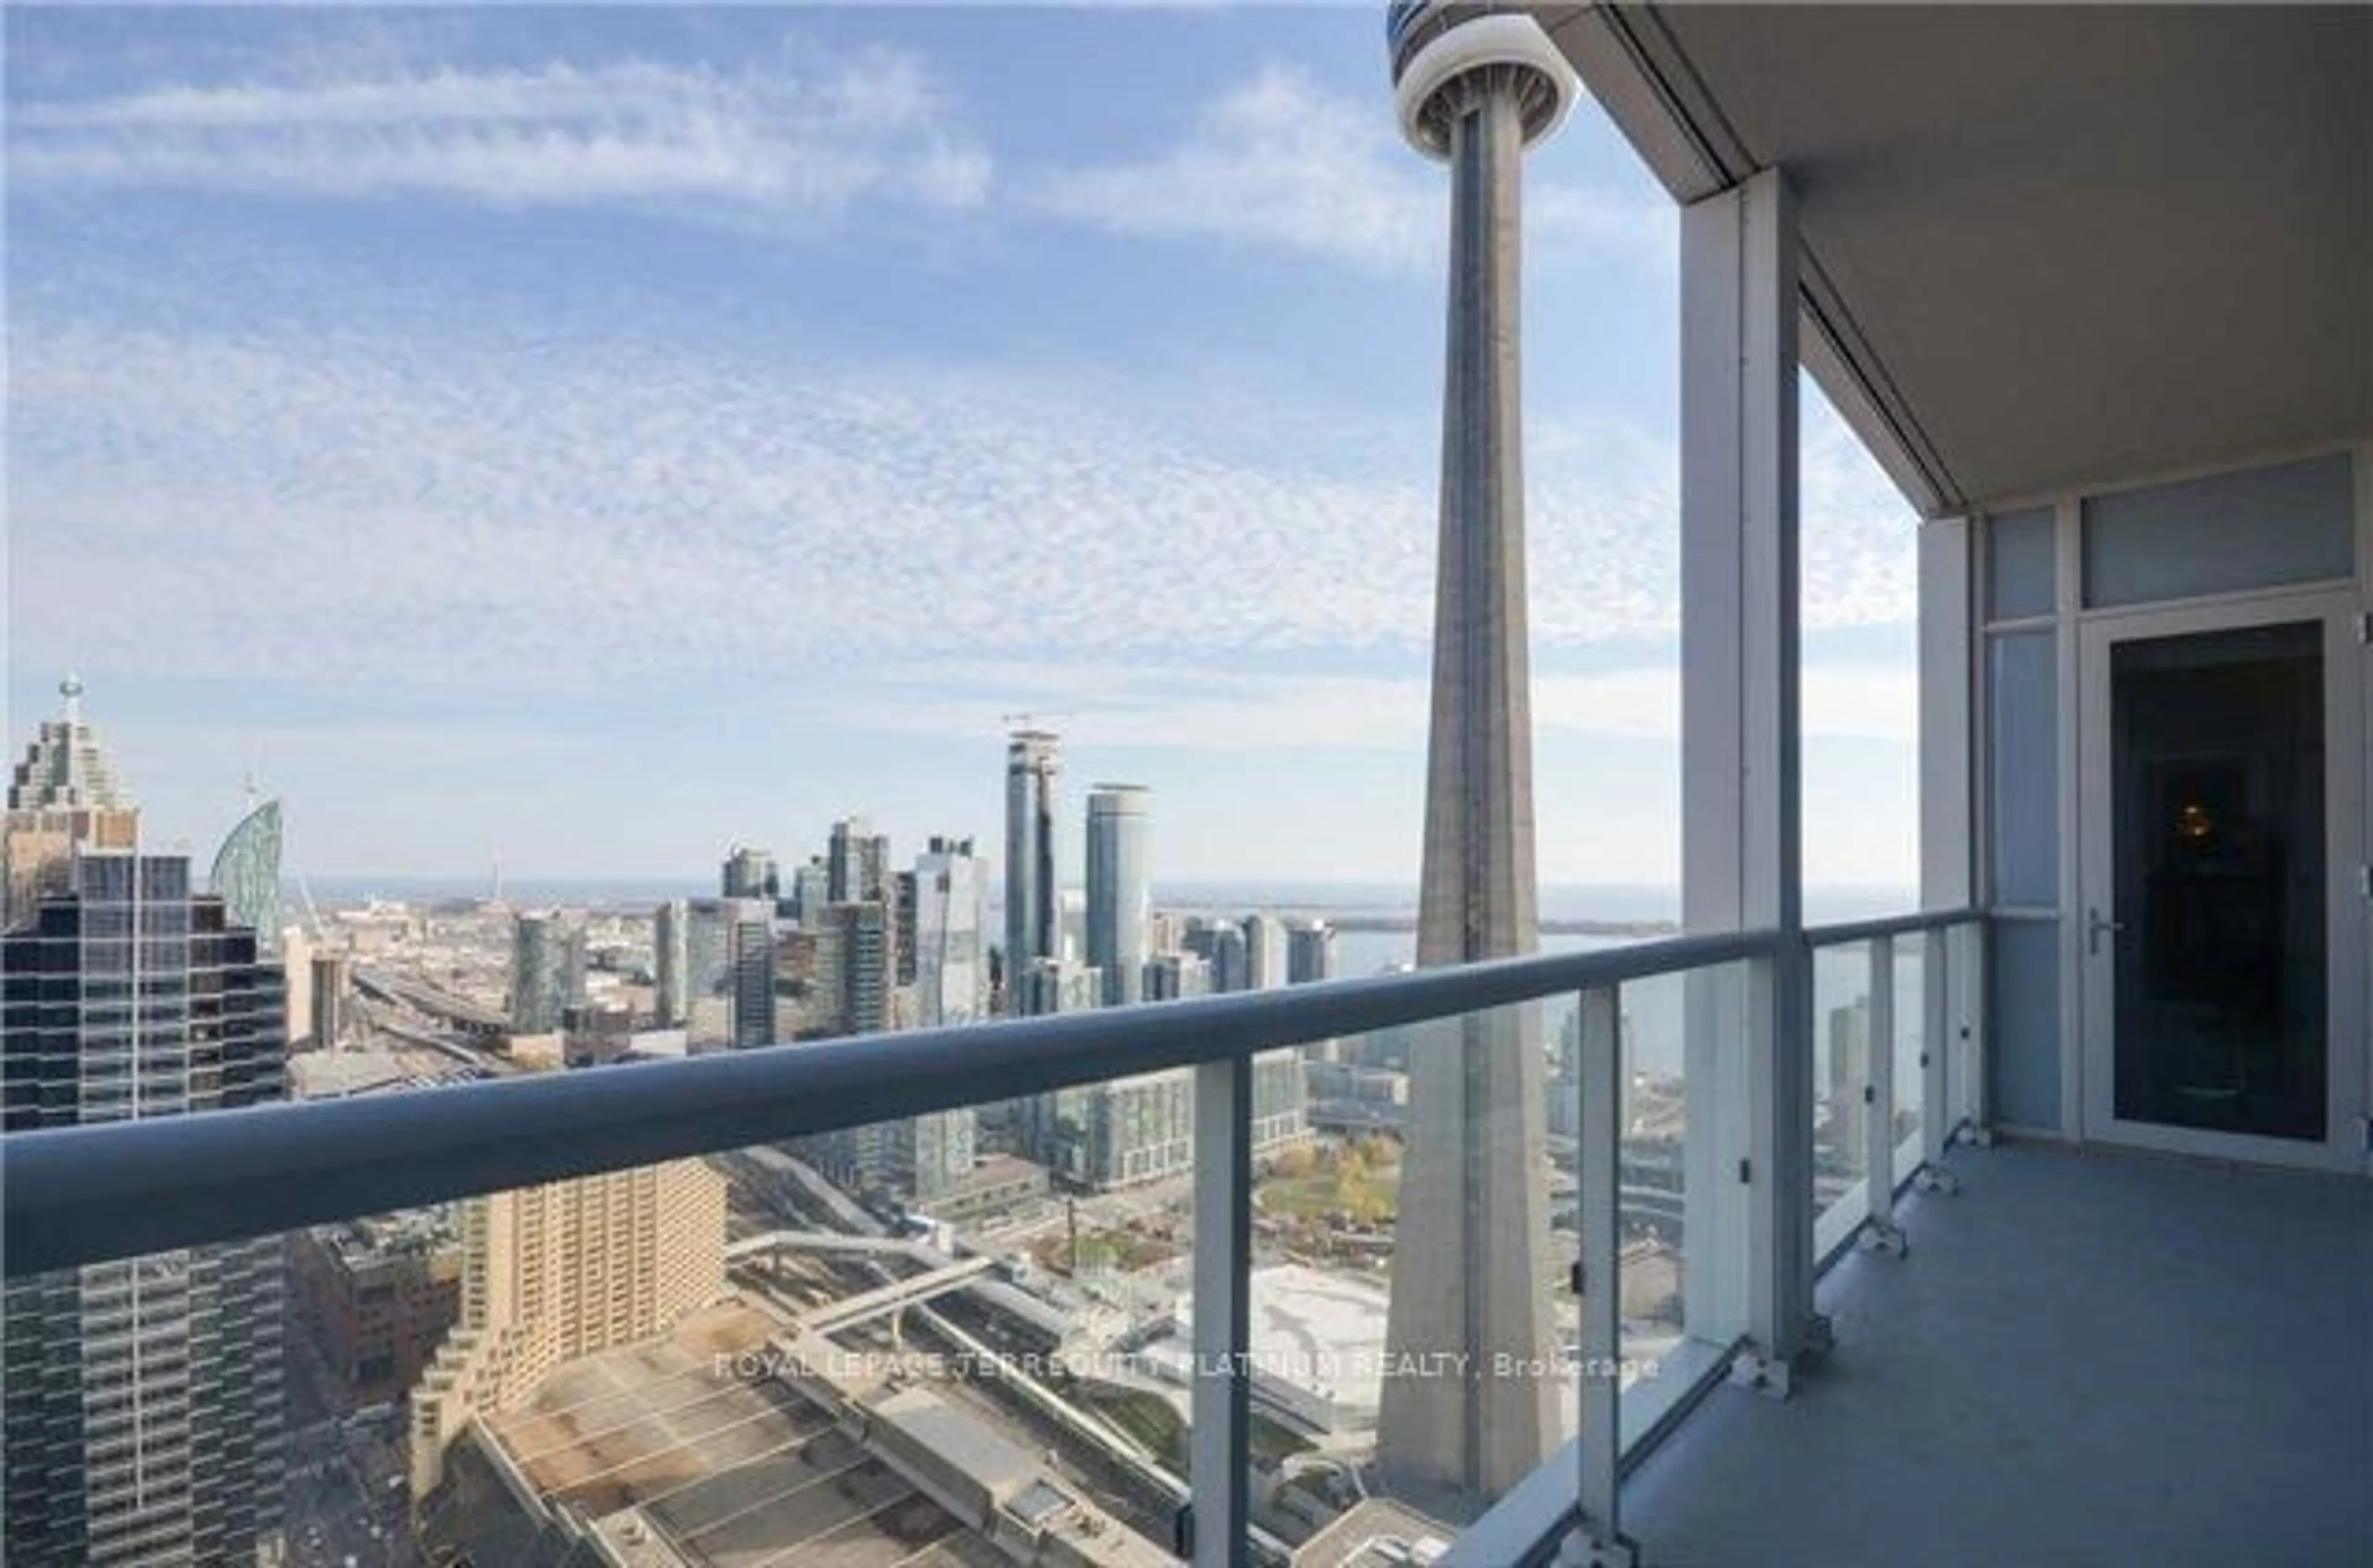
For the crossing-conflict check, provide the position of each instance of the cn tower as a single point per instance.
(1476, 86)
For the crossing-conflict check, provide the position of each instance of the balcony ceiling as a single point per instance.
(2044, 247)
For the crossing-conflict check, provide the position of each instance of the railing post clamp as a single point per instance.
(1935, 1178)
(1883, 1235)
(1582, 1550)
(1774, 1376)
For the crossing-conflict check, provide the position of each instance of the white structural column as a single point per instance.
(1741, 859)
(1600, 1542)
(1220, 1399)
(1879, 1232)
(1948, 819)
(1948, 807)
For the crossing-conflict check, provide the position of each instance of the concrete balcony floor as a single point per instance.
(2087, 1360)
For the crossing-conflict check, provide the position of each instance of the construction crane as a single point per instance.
(312, 911)
(1029, 721)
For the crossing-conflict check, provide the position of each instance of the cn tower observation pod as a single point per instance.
(1442, 51)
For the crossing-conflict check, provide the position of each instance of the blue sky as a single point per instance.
(598, 437)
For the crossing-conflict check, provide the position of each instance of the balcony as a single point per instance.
(84, 1195)
(2085, 1358)
(2040, 1353)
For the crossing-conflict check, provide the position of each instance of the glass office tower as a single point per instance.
(142, 1399)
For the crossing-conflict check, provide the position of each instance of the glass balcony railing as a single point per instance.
(920, 1297)
(1891, 1083)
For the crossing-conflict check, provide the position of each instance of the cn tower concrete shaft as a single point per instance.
(1474, 1236)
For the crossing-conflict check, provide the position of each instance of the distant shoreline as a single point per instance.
(1408, 923)
(1338, 920)
(1615, 911)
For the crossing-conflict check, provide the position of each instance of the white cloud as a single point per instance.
(788, 141)
(1217, 708)
(588, 511)
(555, 510)
(1859, 546)
(1283, 163)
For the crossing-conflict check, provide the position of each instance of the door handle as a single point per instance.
(2094, 926)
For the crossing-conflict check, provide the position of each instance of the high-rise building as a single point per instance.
(750, 972)
(1169, 976)
(869, 959)
(1046, 986)
(1850, 1045)
(750, 874)
(547, 972)
(1310, 952)
(945, 953)
(1265, 952)
(931, 1156)
(1142, 1128)
(811, 892)
(903, 893)
(1310, 956)
(329, 988)
(246, 875)
(914, 1159)
(807, 975)
(1221, 942)
(1120, 891)
(140, 1414)
(1280, 1100)
(708, 952)
(63, 795)
(923, 1158)
(554, 1272)
(951, 926)
(1476, 87)
(1125, 1132)
(671, 963)
(1034, 766)
(856, 864)
(1057, 985)
(296, 988)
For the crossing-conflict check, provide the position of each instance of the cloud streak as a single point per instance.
(797, 141)
(1279, 163)
(1282, 163)
(1216, 708)
(589, 509)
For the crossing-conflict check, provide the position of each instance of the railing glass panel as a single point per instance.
(1052, 1305)
(1682, 1209)
(1842, 1079)
(1410, 1269)
(778, 1354)
(1908, 1115)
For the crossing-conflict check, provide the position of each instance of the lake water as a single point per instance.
(1653, 1010)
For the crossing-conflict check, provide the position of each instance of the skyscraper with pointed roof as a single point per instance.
(63, 795)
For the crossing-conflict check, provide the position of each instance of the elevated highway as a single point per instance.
(471, 1018)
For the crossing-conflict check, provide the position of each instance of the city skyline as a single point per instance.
(1151, 343)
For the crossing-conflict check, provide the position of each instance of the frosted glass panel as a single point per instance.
(2023, 730)
(2023, 1013)
(2261, 529)
(2021, 578)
